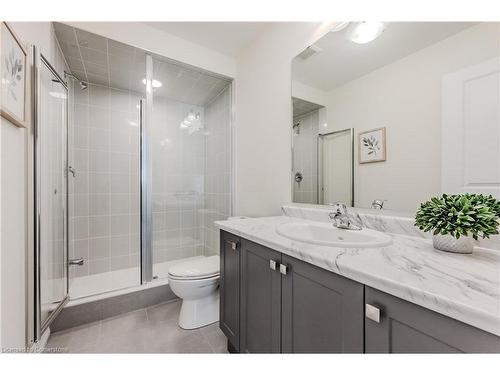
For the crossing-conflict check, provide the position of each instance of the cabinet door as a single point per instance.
(260, 299)
(404, 327)
(321, 312)
(230, 247)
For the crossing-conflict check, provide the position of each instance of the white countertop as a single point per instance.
(463, 287)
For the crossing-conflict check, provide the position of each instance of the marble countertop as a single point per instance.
(463, 287)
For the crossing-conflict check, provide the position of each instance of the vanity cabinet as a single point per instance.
(286, 305)
(273, 303)
(393, 325)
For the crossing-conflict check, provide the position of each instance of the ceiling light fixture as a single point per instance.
(155, 83)
(366, 31)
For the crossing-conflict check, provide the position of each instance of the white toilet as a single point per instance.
(196, 282)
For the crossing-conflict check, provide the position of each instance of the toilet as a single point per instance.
(196, 282)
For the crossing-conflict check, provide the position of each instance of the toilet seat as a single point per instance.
(194, 278)
(197, 269)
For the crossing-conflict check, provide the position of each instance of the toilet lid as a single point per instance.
(196, 268)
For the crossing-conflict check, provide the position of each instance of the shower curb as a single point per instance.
(73, 316)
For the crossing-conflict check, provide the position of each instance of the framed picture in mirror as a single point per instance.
(371, 146)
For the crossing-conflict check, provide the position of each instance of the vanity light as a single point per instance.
(366, 31)
(155, 83)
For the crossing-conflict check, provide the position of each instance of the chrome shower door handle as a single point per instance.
(76, 262)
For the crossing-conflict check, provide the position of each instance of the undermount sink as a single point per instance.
(326, 234)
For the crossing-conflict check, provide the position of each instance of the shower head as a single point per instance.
(83, 84)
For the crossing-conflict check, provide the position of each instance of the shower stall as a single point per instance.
(143, 163)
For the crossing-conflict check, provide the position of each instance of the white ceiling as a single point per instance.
(228, 38)
(341, 60)
(102, 61)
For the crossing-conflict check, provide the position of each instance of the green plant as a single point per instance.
(460, 215)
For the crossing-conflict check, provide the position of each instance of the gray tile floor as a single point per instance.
(150, 330)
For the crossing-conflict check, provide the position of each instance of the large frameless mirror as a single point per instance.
(389, 114)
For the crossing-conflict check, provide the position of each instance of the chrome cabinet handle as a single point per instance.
(372, 313)
(272, 264)
(234, 245)
(283, 269)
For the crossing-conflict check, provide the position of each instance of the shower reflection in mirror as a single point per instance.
(323, 169)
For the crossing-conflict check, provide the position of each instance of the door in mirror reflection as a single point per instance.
(335, 157)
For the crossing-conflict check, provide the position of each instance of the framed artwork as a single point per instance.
(13, 77)
(371, 145)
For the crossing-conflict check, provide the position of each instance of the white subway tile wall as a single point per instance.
(104, 195)
(177, 183)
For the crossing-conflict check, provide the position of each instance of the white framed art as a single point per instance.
(13, 67)
(371, 146)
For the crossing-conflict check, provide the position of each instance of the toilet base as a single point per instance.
(200, 312)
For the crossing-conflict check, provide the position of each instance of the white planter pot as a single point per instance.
(463, 245)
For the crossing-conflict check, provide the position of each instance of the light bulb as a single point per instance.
(365, 32)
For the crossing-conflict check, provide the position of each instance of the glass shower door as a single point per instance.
(51, 263)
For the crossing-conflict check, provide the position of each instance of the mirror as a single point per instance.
(396, 112)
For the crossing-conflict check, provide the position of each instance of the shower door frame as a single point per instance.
(40, 327)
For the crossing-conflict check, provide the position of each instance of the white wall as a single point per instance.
(405, 97)
(309, 93)
(156, 41)
(14, 199)
(263, 116)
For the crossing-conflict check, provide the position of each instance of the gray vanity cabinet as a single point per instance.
(260, 298)
(229, 289)
(272, 303)
(393, 325)
(321, 312)
(286, 305)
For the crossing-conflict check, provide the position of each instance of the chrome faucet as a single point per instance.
(378, 204)
(341, 218)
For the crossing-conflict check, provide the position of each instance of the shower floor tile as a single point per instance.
(150, 330)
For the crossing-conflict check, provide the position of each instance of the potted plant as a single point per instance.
(457, 220)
